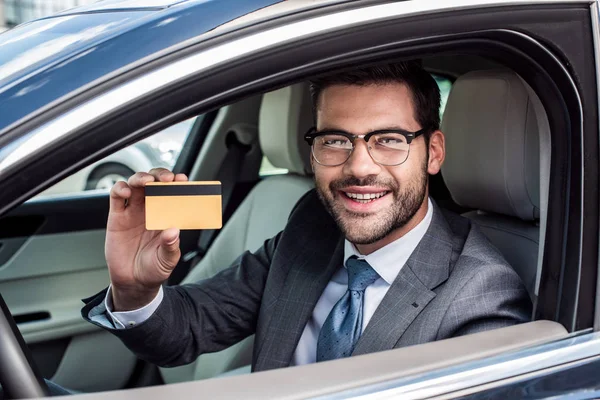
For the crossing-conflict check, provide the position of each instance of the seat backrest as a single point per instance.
(285, 115)
(492, 162)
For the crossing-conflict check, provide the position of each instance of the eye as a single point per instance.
(388, 140)
(336, 142)
(391, 141)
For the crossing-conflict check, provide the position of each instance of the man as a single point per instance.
(367, 262)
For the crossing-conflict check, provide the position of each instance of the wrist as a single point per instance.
(130, 299)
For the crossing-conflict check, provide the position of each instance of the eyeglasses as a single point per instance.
(386, 147)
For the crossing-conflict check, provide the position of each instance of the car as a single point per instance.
(158, 151)
(522, 128)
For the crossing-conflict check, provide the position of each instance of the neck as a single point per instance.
(396, 234)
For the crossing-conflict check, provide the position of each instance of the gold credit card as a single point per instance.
(183, 205)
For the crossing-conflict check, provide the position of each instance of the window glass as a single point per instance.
(160, 150)
(445, 85)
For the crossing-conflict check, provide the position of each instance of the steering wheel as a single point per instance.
(19, 376)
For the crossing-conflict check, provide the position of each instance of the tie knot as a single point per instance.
(360, 274)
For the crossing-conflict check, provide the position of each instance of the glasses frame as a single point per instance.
(312, 134)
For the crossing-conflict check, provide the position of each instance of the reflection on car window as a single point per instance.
(160, 150)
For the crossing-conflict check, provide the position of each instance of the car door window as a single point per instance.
(160, 150)
(445, 85)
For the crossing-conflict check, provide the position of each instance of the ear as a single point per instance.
(437, 152)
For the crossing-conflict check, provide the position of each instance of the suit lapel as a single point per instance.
(303, 287)
(411, 291)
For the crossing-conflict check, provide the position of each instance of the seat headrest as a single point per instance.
(492, 144)
(285, 116)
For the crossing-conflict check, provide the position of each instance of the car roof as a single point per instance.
(46, 59)
(120, 5)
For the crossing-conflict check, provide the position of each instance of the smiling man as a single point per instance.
(367, 261)
(376, 192)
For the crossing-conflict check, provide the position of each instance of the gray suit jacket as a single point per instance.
(454, 283)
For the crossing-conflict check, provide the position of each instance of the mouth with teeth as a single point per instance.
(365, 198)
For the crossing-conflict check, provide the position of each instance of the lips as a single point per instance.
(363, 199)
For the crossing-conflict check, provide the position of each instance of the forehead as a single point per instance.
(370, 106)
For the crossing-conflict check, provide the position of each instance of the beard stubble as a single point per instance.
(361, 228)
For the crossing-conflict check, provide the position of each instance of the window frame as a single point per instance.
(250, 74)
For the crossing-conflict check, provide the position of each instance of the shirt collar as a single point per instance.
(389, 260)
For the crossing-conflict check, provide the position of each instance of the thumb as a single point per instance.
(168, 250)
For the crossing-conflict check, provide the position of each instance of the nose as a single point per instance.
(361, 164)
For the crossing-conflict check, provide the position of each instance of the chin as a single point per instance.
(364, 232)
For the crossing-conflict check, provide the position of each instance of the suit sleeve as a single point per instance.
(198, 318)
(492, 298)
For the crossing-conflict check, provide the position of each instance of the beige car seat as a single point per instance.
(495, 127)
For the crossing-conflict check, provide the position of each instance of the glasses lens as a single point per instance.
(389, 148)
(331, 149)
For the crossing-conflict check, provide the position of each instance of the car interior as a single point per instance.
(495, 174)
(495, 126)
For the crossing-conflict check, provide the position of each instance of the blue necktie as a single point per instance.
(343, 325)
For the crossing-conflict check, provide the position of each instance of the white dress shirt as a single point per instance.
(387, 262)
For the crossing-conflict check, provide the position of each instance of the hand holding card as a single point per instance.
(183, 205)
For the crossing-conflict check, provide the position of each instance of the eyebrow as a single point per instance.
(387, 128)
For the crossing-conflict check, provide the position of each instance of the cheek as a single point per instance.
(324, 175)
(403, 175)
(416, 163)
(420, 156)
(395, 175)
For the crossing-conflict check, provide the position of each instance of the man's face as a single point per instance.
(360, 110)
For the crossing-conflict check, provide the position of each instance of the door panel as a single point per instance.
(110, 369)
(59, 295)
(54, 259)
(52, 256)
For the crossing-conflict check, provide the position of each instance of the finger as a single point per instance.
(137, 182)
(168, 237)
(181, 178)
(162, 175)
(168, 250)
(119, 193)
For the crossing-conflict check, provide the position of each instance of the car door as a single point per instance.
(530, 39)
(52, 256)
(56, 240)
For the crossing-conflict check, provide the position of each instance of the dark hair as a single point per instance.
(424, 89)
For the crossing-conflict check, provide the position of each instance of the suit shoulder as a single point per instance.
(310, 216)
(308, 200)
(476, 255)
(489, 276)
(477, 246)
(468, 240)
